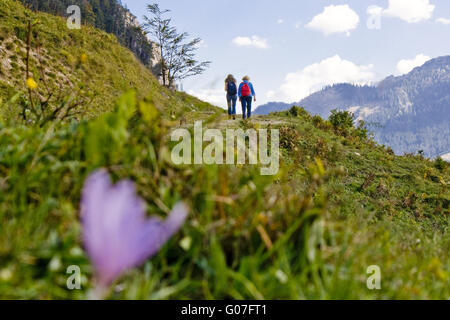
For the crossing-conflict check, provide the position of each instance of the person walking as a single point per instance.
(246, 94)
(232, 94)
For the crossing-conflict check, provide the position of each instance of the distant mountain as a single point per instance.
(411, 112)
(269, 107)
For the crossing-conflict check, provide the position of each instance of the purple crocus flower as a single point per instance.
(116, 232)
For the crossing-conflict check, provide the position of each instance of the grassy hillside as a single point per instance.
(107, 15)
(55, 63)
(339, 204)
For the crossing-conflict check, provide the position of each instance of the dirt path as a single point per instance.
(263, 121)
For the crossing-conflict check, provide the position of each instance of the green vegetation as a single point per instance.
(339, 204)
(177, 53)
(342, 119)
(107, 15)
(55, 55)
(55, 64)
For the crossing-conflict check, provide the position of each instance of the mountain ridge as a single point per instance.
(411, 110)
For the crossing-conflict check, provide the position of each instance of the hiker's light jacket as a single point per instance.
(251, 88)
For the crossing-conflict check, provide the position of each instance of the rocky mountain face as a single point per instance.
(409, 113)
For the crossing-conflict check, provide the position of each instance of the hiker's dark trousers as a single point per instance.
(246, 106)
(231, 100)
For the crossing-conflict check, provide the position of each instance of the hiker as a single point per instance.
(246, 93)
(231, 89)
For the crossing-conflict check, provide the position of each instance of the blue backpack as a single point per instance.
(231, 88)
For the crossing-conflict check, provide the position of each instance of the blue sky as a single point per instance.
(291, 48)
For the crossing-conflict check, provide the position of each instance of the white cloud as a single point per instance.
(254, 41)
(446, 157)
(335, 19)
(405, 66)
(214, 96)
(271, 94)
(280, 21)
(443, 21)
(411, 11)
(300, 84)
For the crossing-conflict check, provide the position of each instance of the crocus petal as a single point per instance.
(159, 232)
(116, 232)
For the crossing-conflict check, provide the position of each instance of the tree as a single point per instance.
(177, 53)
(342, 119)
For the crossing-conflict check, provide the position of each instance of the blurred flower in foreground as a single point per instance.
(83, 58)
(116, 232)
(31, 84)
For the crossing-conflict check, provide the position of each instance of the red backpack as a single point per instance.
(245, 90)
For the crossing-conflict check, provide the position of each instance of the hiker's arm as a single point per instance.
(253, 91)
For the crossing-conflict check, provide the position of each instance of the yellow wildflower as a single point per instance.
(31, 84)
(83, 58)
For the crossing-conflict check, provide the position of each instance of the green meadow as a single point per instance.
(339, 204)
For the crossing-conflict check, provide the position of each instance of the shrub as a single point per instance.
(390, 151)
(321, 149)
(294, 111)
(361, 130)
(298, 111)
(440, 164)
(322, 124)
(289, 138)
(342, 119)
(317, 121)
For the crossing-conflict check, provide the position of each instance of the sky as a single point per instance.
(292, 48)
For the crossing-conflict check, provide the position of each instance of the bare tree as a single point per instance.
(177, 53)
